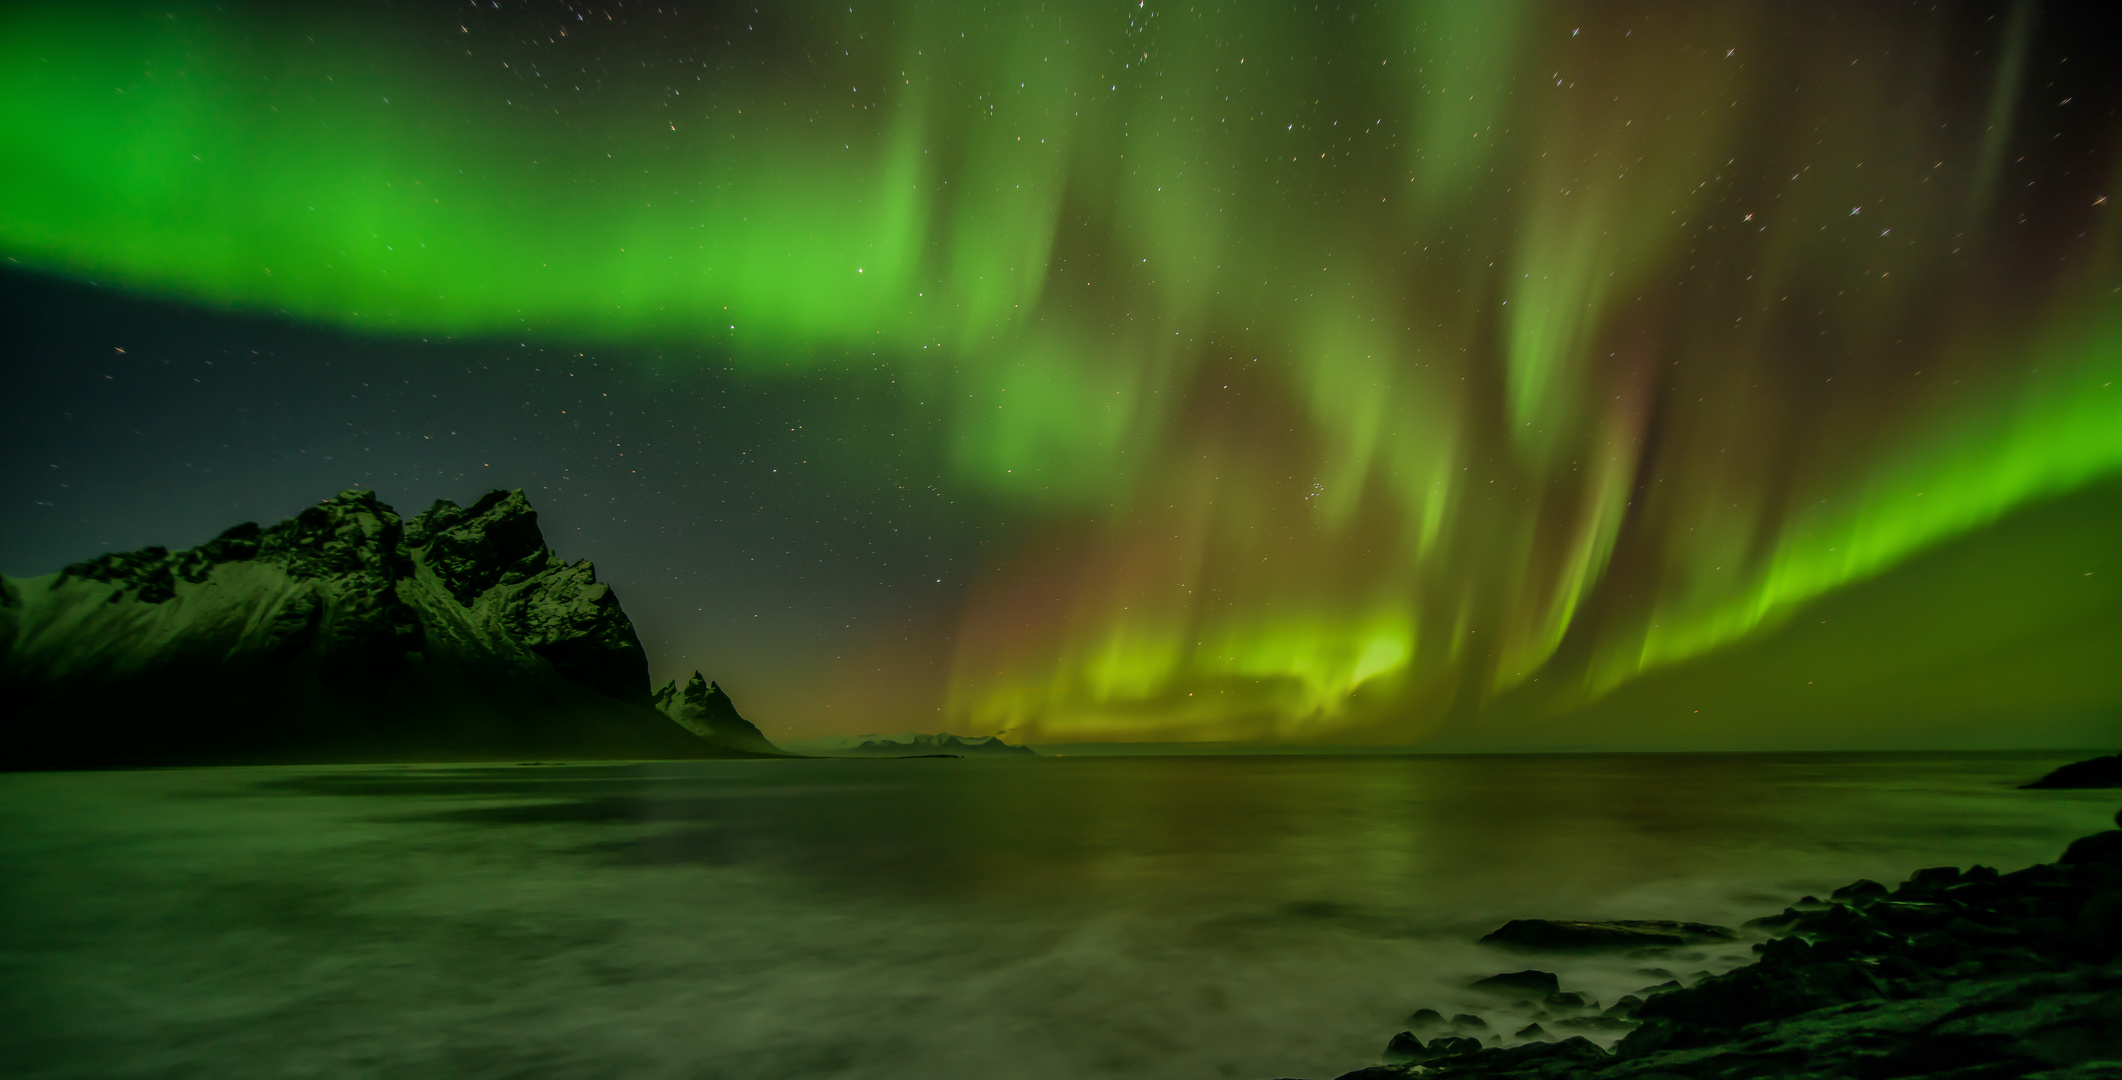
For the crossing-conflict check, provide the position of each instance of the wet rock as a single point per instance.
(1625, 1007)
(1779, 921)
(1860, 889)
(1954, 975)
(1622, 935)
(1454, 1046)
(2091, 1070)
(1568, 1001)
(1530, 1031)
(1424, 1020)
(1602, 1023)
(1528, 983)
(2098, 849)
(1468, 1022)
(2100, 772)
(1405, 1047)
(1566, 1057)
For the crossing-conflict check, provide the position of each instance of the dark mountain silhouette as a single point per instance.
(341, 634)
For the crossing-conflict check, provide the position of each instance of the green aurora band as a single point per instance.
(1367, 365)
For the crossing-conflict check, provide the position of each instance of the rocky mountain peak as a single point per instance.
(459, 624)
(706, 711)
(473, 548)
(350, 534)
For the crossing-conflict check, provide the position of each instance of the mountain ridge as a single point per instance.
(909, 744)
(344, 633)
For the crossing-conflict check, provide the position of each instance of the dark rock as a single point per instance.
(2100, 772)
(1375, 1072)
(1528, 983)
(1567, 1001)
(1650, 1038)
(340, 634)
(1527, 1059)
(1576, 1049)
(2090, 1070)
(1906, 917)
(1454, 1046)
(1624, 1007)
(1530, 1031)
(1777, 921)
(1557, 935)
(1405, 1047)
(1468, 1022)
(1595, 1023)
(2097, 931)
(2103, 847)
(1961, 975)
(1860, 889)
(1424, 1019)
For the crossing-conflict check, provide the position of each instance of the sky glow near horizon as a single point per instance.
(1367, 364)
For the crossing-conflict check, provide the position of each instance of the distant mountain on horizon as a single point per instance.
(344, 634)
(909, 745)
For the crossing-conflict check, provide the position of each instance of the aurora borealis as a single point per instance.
(1393, 372)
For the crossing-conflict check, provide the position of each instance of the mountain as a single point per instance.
(342, 634)
(703, 709)
(908, 746)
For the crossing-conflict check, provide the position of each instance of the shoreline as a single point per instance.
(1953, 975)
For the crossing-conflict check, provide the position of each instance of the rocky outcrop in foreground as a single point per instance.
(1953, 975)
(342, 634)
(2100, 772)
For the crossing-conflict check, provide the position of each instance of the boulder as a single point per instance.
(1528, 983)
(1454, 1046)
(2102, 848)
(1568, 1001)
(1620, 935)
(1404, 1047)
(1424, 1020)
(2099, 772)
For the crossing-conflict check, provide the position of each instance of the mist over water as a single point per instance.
(1128, 917)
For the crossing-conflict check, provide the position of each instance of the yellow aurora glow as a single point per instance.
(1367, 365)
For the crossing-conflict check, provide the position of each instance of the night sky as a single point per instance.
(1471, 375)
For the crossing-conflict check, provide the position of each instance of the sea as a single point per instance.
(1193, 917)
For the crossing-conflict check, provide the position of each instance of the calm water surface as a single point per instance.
(1127, 917)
